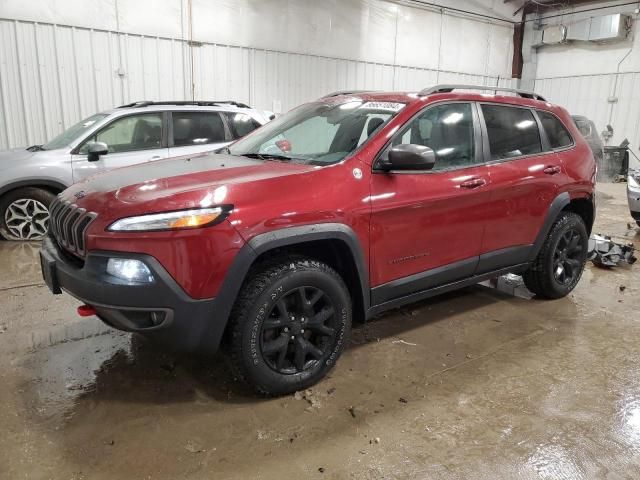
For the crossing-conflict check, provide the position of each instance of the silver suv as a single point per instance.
(138, 132)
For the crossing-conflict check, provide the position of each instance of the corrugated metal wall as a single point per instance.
(588, 95)
(52, 76)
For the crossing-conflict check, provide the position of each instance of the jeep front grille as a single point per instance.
(68, 224)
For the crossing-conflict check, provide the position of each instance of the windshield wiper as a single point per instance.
(267, 156)
(35, 148)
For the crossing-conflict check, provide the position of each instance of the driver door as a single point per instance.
(131, 139)
(427, 226)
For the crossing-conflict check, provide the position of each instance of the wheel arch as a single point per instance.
(332, 243)
(583, 206)
(52, 186)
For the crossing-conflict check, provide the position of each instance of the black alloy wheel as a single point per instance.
(289, 325)
(299, 330)
(567, 258)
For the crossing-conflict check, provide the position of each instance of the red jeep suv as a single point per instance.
(338, 210)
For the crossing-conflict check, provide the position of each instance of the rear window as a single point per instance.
(512, 131)
(241, 124)
(197, 128)
(584, 126)
(556, 132)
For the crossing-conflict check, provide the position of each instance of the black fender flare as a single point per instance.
(35, 183)
(256, 246)
(557, 205)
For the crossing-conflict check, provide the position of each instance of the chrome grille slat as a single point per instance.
(68, 224)
(61, 220)
(55, 208)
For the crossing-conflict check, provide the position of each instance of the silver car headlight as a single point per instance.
(177, 220)
(634, 179)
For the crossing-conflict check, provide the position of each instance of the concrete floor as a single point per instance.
(475, 384)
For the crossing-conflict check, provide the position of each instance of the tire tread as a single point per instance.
(538, 278)
(258, 280)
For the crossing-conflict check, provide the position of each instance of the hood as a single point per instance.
(176, 183)
(10, 157)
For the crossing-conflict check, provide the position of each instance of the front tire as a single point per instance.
(24, 214)
(559, 265)
(289, 325)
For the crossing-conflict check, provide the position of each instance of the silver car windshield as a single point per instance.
(72, 133)
(317, 133)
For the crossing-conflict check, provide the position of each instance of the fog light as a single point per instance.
(129, 270)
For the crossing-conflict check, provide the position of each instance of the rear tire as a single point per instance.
(289, 325)
(24, 214)
(561, 260)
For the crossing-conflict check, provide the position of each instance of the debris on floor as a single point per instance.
(511, 284)
(405, 343)
(604, 252)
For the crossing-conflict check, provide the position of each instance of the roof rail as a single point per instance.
(204, 103)
(345, 92)
(450, 88)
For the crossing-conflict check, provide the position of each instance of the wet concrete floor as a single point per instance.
(475, 384)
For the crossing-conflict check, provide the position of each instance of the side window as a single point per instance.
(447, 130)
(512, 131)
(127, 134)
(241, 124)
(197, 128)
(556, 132)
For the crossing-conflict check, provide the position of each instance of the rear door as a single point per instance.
(195, 132)
(131, 139)
(526, 175)
(427, 226)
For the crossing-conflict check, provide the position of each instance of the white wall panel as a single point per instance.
(581, 76)
(87, 13)
(360, 30)
(53, 75)
(587, 95)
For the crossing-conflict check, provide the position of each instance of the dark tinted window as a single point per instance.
(241, 124)
(197, 128)
(512, 131)
(584, 126)
(447, 130)
(557, 134)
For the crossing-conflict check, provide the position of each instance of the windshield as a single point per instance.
(317, 133)
(70, 134)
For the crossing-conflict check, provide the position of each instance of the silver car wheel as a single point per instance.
(27, 219)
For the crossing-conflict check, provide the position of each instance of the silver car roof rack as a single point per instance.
(203, 103)
(450, 88)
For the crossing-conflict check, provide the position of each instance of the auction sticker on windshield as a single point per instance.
(391, 106)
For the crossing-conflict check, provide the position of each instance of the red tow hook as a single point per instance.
(86, 311)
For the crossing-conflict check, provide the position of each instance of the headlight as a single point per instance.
(634, 180)
(129, 270)
(200, 217)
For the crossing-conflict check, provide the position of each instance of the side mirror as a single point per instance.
(409, 157)
(96, 149)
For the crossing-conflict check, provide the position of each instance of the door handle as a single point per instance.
(155, 157)
(551, 169)
(474, 183)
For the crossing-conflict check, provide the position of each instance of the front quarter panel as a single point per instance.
(197, 259)
(52, 167)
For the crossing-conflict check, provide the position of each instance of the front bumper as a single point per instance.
(160, 310)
